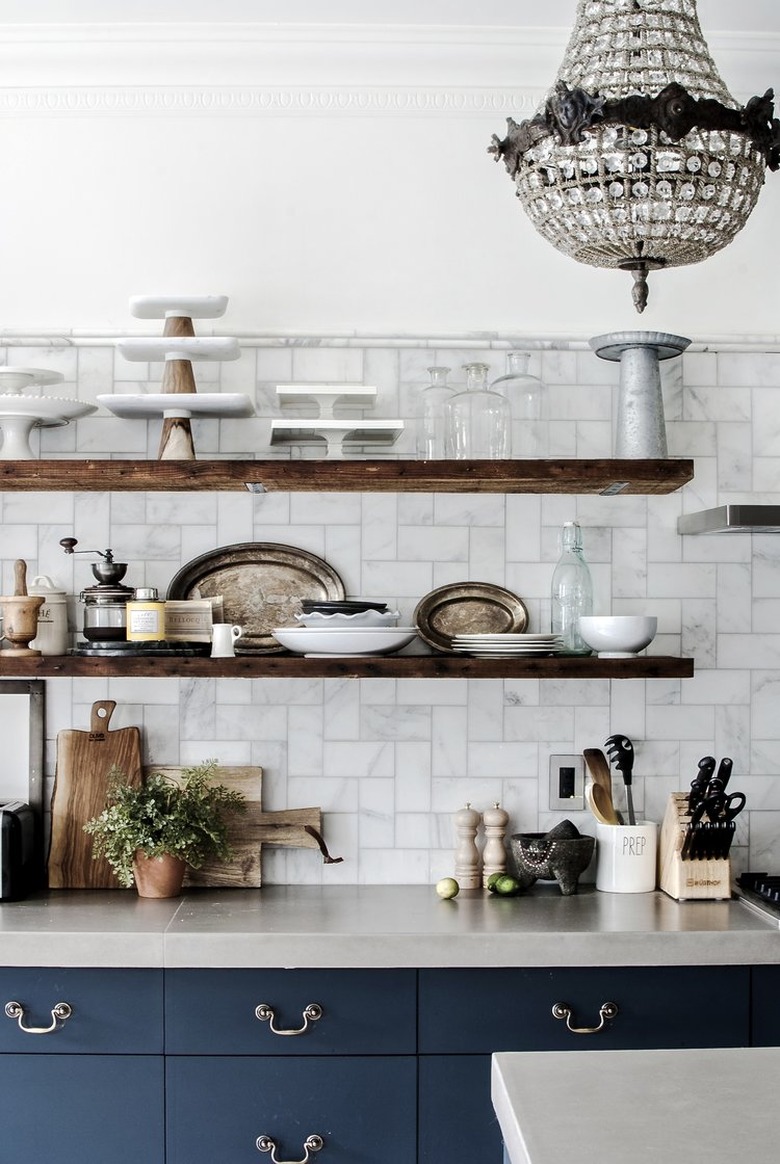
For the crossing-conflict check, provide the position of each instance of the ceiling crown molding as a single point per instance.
(255, 69)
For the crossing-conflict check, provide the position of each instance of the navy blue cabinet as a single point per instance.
(275, 1060)
(377, 1066)
(81, 1066)
(766, 1006)
(465, 1015)
(362, 1108)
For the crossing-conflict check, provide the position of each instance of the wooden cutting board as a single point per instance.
(84, 759)
(248, 831)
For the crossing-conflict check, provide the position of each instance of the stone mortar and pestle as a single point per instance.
(20, 615)
(561, 855)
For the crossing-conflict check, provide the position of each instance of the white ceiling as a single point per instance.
(715, 15)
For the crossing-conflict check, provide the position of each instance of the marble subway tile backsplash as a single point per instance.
(390, 761)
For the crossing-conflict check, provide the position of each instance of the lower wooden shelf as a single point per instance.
(359, 667)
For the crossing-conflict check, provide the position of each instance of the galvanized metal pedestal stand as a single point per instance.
(641, 431)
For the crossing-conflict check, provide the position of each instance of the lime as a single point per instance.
(447, 887)
(507, 886)
(493, 879)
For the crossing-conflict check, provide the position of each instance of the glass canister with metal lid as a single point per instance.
(105, 604)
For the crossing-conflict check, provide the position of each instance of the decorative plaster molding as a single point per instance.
(256, 101)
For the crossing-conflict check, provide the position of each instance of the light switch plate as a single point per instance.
(567, 783)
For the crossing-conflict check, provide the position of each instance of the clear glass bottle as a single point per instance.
(528, 402)
(479, 421)
(432, 416)
(572, 591)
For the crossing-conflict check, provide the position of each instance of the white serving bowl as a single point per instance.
(315, 642)
(361, 618)
(618, 636)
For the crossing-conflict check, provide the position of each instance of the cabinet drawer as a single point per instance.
(505, 1010)
(364, 1109)
(766, 1006)
(82, 1109)
(118, 1011)
(213, 1012)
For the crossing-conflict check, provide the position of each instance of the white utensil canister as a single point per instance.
(626, 857)
(52, 634)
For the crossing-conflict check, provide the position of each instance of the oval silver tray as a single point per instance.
(262, 585)
(468, 608)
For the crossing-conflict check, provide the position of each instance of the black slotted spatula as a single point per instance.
(621, 753)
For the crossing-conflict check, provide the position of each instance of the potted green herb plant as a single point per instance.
(150, 832)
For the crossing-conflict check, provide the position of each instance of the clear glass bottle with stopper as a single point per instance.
(479, 421)
(432, 416)
(528, 402)
(572, 592)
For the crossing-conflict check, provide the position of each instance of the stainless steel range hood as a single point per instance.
(731, 518)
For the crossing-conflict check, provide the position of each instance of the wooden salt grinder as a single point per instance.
(495, 821)
(20, 615)
(467, 858)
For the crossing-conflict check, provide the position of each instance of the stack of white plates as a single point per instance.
(487, 646)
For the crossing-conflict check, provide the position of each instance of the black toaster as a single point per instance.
(18, 864)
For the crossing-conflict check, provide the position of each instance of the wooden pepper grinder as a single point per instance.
(494, 853)
(20, 615)
(467, 859)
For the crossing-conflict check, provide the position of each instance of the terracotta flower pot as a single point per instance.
(158, 876)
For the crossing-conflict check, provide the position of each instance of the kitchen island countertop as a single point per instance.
(716, 1104)
(379, 926)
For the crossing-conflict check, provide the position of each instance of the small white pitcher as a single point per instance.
(223, 640)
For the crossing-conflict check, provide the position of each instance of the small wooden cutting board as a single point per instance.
(248, 831)
(84, 760)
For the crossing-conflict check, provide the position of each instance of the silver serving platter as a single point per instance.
(468, 608)
(262, 585)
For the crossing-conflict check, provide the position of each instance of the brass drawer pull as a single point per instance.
(311, 1014)
(311, 1144)
(607, 1010)
(60, 1012)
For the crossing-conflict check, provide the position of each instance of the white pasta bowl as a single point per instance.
(315, 642)
(618, 636)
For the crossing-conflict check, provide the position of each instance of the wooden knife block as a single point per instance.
(688, 880)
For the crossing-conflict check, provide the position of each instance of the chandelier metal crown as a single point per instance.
(640, 158)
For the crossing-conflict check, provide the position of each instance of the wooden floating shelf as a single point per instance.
(365, 667)
(606, 477)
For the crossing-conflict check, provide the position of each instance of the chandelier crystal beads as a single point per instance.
(640, 158)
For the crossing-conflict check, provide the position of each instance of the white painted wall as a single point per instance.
(328, 177)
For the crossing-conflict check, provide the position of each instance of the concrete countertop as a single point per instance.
(713, 1105)
(380, 926)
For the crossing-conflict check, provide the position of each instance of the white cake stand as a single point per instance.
(19, 415)
(178, 306)
(178, 346)
(17, 380)
(180, 404)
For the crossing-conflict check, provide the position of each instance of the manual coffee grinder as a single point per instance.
(105, 605)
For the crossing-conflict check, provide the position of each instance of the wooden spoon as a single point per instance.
(603, 808)
(599, 768)
(592, 806)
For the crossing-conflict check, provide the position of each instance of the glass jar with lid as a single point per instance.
(478, 419)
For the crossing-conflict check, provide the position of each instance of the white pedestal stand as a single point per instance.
(178, 347)
(335, 431)
(21, 412)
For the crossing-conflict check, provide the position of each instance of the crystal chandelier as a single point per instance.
(640, 158)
